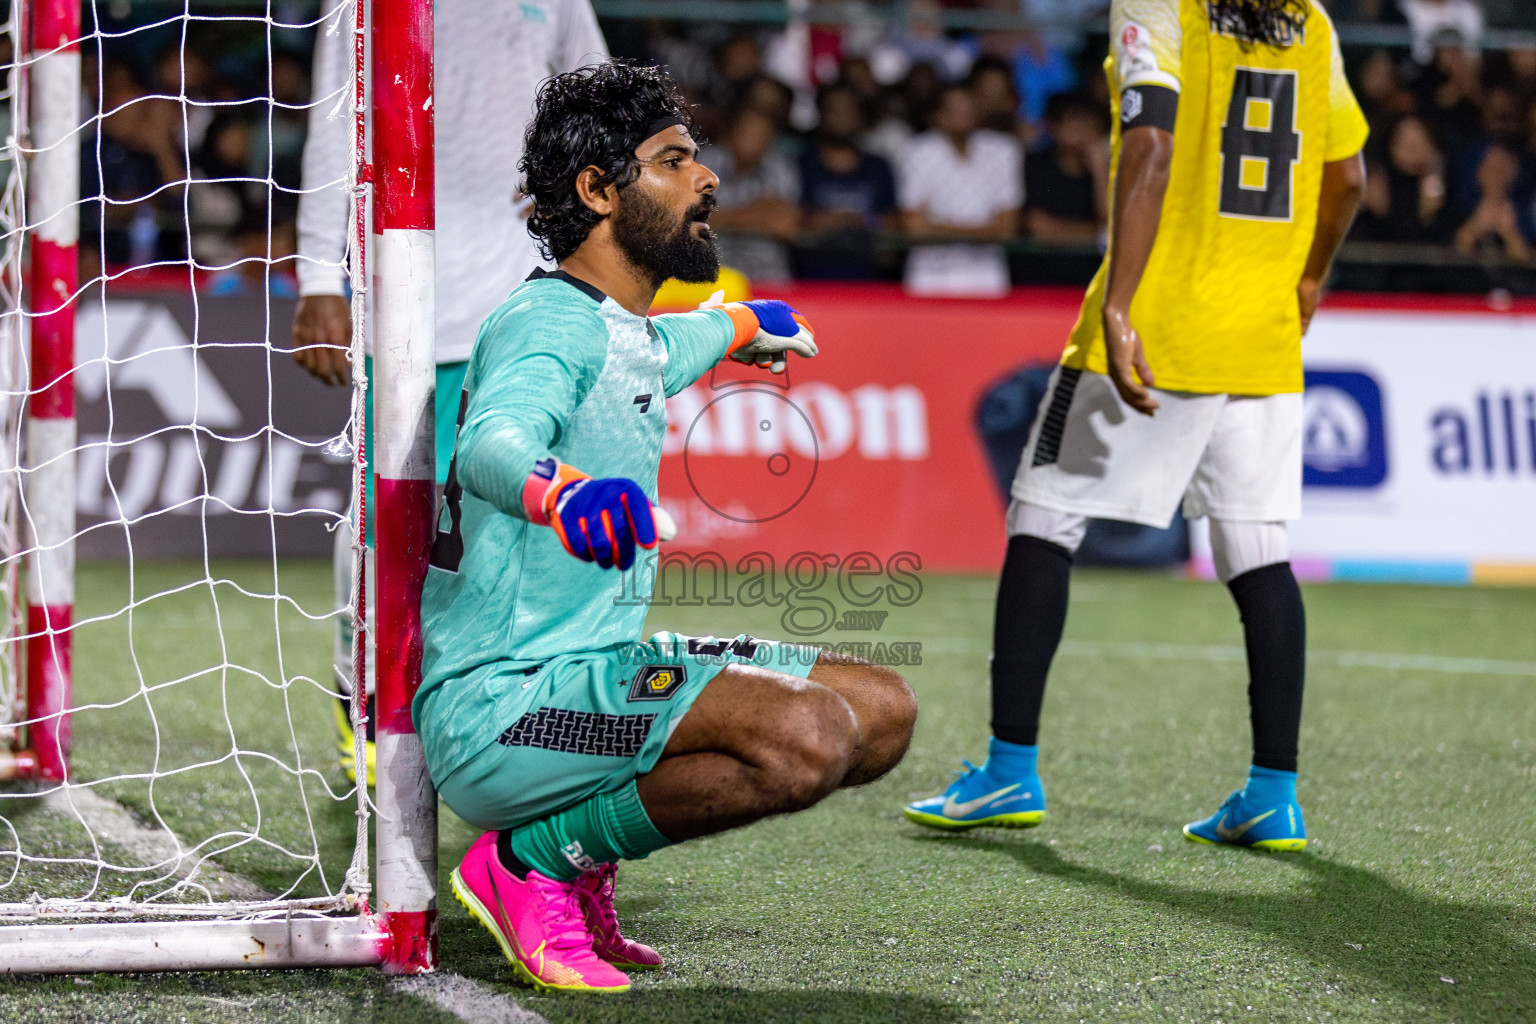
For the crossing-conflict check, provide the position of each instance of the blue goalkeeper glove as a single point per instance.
(598, 521)
(766, 331)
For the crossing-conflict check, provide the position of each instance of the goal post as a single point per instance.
(52, 212)
(404, 453)
(146, 896)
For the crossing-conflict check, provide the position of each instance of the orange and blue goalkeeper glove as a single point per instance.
(766, 331)
(598, 521)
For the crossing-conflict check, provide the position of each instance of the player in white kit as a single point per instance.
(489, 60)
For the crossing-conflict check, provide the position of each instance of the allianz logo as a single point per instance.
(1493, 435)
(1335, 433)
(814, 419)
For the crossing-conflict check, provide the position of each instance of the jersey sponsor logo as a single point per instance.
(1344, 440)
(644, 402)
(657, 682)
(1131, 103)
(1136, 54)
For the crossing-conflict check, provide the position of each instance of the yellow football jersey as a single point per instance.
(1216, 308)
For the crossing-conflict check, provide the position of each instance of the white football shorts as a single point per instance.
(1233, 457)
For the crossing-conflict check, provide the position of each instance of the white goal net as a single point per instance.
(168, 699)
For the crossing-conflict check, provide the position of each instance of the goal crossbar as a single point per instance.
(289, 941)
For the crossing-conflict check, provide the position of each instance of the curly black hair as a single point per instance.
(591, 117)
(1271, 22)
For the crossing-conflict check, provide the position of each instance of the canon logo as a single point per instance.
(814, 419)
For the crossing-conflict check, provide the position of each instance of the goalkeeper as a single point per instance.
(544, 720)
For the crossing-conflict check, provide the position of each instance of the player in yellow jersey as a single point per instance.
(1237, 171)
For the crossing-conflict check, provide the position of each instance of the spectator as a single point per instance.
(922, 41)
(129, 162)
(1452, 92)
(893, 126)
(991, 82)
(218, 194)
(920, 89)
(182, 72)
(738, 61)
(1502, 124)
(1428, 20)
(770, 97)
(846, 193)
(277, 147)
(758, 192)
(1066, 183)
(1494, 224)
(1503, 117)
(964, 183)
(1371, 223)
(266, 263)
(1380, 91)
(1416, 209)
(1521, 61)
(858, 74)
(1040, 71)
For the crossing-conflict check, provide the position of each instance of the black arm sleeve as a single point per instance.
(1149, 106)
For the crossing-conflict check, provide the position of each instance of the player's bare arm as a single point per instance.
(322, 335)
(1146, 157)
(1343, 185)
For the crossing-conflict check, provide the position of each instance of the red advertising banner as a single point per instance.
(870, 447)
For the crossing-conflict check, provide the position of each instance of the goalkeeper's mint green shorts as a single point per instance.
(587, 723)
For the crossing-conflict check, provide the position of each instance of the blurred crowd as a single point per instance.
(958, 162)
(216, 179)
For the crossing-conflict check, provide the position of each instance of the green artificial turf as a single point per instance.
(1413, 903)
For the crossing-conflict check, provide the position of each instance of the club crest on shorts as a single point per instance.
(657, 682)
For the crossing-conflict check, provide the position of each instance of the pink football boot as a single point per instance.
(595, 889)
(537, 922)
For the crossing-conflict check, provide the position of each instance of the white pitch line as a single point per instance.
(158, 848)
(1385, 660)
(467, 999)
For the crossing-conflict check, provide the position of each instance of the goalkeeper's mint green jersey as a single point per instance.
(558, 371)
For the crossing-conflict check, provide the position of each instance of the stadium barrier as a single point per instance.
(1420, 443)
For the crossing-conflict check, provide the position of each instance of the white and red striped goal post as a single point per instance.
(393, 188)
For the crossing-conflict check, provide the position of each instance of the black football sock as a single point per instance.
(1031, 610)
(509, 859)
(1275, 632)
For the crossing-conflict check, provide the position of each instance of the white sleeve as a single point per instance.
(581, 41)
(324, 202)
(1146, 41)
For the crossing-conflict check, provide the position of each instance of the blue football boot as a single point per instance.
(977, 800)
(1243, 822)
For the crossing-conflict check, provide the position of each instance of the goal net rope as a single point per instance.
(202, 480)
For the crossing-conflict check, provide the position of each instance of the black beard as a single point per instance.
(646, 234)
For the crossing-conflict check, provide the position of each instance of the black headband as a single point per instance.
(626, 149)
(659, 125)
